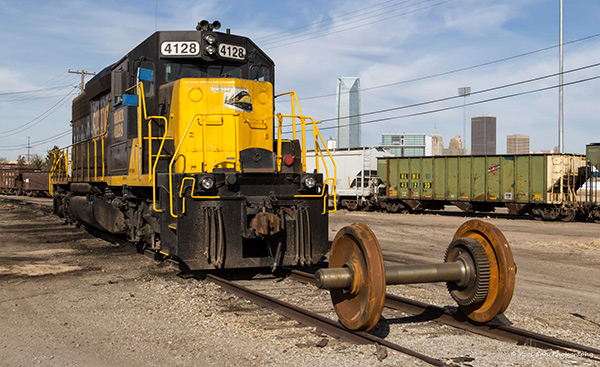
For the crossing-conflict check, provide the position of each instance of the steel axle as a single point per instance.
(479, 272)
(455, 271)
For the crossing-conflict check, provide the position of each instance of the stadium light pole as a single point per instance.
(561, 116)
(464, 92)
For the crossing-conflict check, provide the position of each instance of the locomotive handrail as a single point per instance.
(144, 113)
(318, 151)
(176, 154)
(64, 154)
(191, 193)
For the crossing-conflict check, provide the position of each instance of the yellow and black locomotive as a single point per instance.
(177, 147)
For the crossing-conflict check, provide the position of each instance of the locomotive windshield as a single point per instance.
(176, 70)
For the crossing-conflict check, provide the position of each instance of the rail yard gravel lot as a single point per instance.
(70, 299)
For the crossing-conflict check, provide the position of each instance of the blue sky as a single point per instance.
(380, 41)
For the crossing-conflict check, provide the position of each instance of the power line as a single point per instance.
(39, 118)
(35, 90)
(36, 143)
(455, 70)
(322, 34)
(330, 20)
(471, 93)
(461, 105)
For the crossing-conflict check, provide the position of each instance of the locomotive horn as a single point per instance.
(202, 25)
(215, 25)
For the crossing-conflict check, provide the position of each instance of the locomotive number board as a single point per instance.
(232, 51)
(180, 48)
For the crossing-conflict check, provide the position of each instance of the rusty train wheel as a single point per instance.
(356, 247)
(502, 270)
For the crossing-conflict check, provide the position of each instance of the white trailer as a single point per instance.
(356, 177)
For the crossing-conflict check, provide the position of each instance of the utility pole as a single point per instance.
(561, 116)
(28, 149)
(83, 73)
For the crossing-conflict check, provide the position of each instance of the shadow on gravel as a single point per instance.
(32, 226)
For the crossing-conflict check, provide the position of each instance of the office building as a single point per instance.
(517, 144)
(407, 145)
(483, 135)
(348, 111)
(437, 143)
(455, 147)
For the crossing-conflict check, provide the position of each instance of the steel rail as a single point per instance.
(306, 317)
(499, 332)
(322, 323)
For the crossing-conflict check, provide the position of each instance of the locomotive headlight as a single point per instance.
(207, 183)
(210, 50)
(310, 182)
(210, 38)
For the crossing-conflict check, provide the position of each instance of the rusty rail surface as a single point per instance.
(498, 332)
(322, 323)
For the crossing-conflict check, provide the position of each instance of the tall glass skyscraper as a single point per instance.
(348, 111)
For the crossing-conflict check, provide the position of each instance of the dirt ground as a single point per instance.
(70, 299)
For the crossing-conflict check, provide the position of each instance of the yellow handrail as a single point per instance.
(191, 193)
(185, 135)
(318, 151)
(79, 153)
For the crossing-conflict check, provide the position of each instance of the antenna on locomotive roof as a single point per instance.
(204, 25)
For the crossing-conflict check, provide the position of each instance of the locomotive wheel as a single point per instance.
(359, 306)
(502, 270)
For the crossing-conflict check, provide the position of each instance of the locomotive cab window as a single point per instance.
(175, 71)
(260, 73)
(224, 71)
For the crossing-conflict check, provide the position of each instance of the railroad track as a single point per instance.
(422, 310)
(500, 332)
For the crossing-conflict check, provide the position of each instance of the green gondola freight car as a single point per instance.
(544, 185)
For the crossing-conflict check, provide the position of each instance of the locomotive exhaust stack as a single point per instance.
(479, 271)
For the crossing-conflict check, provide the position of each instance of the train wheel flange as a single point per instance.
(358, 306)
(502, 270)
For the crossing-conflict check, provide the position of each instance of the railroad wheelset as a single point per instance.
(479, 271)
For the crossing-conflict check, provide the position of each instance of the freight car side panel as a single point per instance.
(414, 171)
(522, 181)
(493, 178)
(438, 182)
(479, 179)
(452, 178)
(403, 169)
(426, 178)
(537, 175)
(507, 179)
(465, 185)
